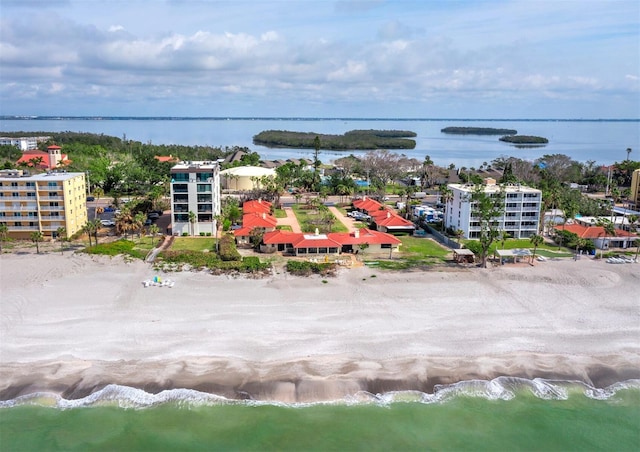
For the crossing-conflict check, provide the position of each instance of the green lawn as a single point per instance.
(193, 243)
(279, 213)
(414, 252)
(306, 218)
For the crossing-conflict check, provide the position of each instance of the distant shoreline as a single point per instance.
(292, 118)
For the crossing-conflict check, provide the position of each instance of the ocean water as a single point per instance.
(604, 142)
(499, 415)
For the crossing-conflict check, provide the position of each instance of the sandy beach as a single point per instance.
(72, 324)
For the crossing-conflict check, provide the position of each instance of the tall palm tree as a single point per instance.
(61, 232)
(88, 229)
(124, 221)
(446, 195)
(36, 237)
(95, 227)
(570, 209)
(153, 231)
(97, 192)
(4, 232)
(536, 240)
(192, 221)
(609, 231)
(138, 223)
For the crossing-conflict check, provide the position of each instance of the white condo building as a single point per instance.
(195, 189)
(521, 216)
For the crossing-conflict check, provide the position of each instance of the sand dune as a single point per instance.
(73, 323)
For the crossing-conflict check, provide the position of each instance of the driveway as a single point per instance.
(290, 220)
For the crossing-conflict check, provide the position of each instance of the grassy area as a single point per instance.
(118, 247)
(279, 213)
(415, 252)
(193, 243)
(309, 220)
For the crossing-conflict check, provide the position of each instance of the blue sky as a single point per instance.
(345, 58)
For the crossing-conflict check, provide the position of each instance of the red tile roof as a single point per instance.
(34, 154)
(166, 158)
(365, 235)
(332, 240)
(254, 220)
(591, 232)
(390, 219)
(256, 206)
(367, 204)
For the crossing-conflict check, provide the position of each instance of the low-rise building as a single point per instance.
(42, 202)
(521, 216)
(195, 197)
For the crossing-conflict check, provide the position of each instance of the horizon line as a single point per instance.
(298, 118)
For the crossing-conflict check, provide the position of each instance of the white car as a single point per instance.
(108, 222)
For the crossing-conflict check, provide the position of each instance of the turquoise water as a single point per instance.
(498, 415)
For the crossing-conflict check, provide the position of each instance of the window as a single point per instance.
(31, 195)
(52, 185)
(31, 184)
(180, 177)
(15, 194)
(14, 184)
(385, 245)
(512, 195)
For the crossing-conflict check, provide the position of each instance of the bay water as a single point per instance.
(604, 142)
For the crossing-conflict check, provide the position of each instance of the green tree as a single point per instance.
(487, 208)
(570, 209)
(609, 230)
(37, 237)
(61, 233)
(316, 162)
(446, 195)
(4, 232)
(536, 240)
(192, 221)
(153, 231)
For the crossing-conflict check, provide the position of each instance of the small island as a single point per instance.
(526, 140)
(352, 140)
(478, 131)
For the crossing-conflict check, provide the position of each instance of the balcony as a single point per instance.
(51, 218)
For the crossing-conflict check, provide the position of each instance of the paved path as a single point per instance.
(347, 221)
(290, 220)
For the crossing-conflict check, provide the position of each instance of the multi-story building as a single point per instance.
(22, 143)
(634, 197)
(195, 198)
(42, 202)
(521, 216)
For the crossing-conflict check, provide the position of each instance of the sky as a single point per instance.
(476, 59)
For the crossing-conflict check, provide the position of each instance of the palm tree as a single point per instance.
(95, 227)
(192, 221)
(124, 221)
(138, 223)
(98, 192)
(570, 209)
(87, 228)
(459, 233)
(36, 237)
(536, 240)
(61, 232)
(4, 232)
(446, 195)
(153, 230)
(609, 230)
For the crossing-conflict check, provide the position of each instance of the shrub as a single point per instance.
(185, 234)
(305, 268)
(227, 248)
(202, 234)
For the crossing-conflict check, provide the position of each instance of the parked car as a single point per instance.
(153, 215)
(91, 198)
(108, 222)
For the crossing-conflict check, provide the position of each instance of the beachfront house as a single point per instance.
(383, 218)
(195, 197)
(520, 218)
(365, 241)
(42, 202)
(599, 237)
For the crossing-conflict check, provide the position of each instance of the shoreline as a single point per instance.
(75, 323)
(318, 380)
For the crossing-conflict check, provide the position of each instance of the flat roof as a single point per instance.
(463, 252)
(492, 188)
(41, 177)
(516, 252)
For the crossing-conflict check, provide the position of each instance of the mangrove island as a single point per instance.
(478, 131)
(352, 140)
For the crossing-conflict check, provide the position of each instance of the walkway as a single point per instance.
(290, 220)
(347, 221)
(168, 240)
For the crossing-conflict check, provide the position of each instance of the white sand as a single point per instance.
(73, 323)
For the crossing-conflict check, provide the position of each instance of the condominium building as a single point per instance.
(22, 143)
(42, 202)
(195, 198)
(521, 216)
(634, 197)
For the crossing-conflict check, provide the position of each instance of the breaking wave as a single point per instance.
(501, 388)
